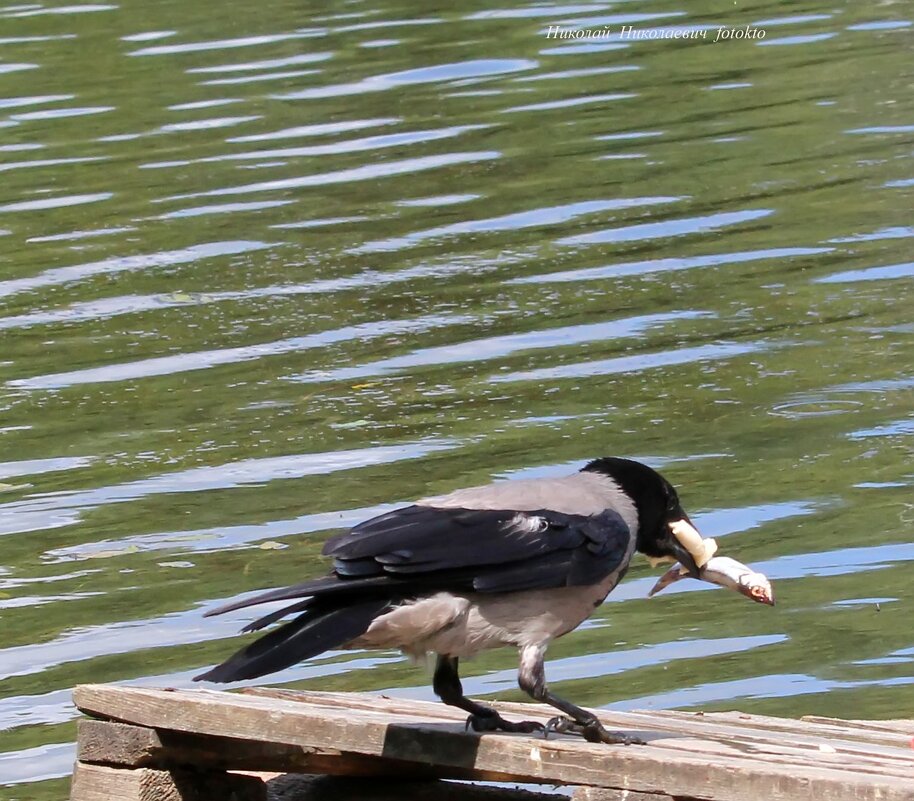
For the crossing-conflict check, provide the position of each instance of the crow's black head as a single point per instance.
(661, 519)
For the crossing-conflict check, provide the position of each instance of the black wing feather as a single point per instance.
(470, 546)
(420, 549)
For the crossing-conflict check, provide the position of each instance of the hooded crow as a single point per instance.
(514, 563)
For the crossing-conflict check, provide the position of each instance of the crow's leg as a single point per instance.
(532, 680)
(482, 718)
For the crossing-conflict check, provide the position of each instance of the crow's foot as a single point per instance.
(593, 732)
(492, 721)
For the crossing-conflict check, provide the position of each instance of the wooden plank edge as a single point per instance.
(105, 783)
(124, 745)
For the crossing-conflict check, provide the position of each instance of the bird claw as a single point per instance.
(593, 732)
(495, 722)
(558, 725)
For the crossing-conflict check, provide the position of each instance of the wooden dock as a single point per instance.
(200, 745)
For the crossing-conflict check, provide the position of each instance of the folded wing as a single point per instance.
(423, 548)
(420, 550)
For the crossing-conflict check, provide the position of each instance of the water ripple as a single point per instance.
(268, 64)
(636, 363)
(681, 227)
(132, 304)
(240, 80)
(570, 102)
(805, 39)
(881, 25)
(60, 113)
(218, 208)
(778, 685)
(899, 428)
(53, 203)
(63, 275)
(18, 165)
(378, 142)
(205, 125)
(554, 215)
(205, 359)
(317, 129)
(31, 467)
(210, 540)
(501, 346)
(532, 12)
(13, 67)
(61, 509)
(899, 232)
(37, 764)
(886, 273)
(649, 266)
(792, 20)
(219, 44)
(32, 39)
(608, 20)
(86, 8)
(392, 80)
(364, 173)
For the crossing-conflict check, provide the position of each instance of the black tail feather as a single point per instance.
(326, 586)
(282, 594)
(266, 620)
(316, 630)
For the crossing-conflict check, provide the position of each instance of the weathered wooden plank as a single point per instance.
(711, 739)
(808, 747)
(126, 745)
(103, 783)
(732, 727)
(374, 703)
(904, 727)
(647, 769)
(806, 750)
(831, 728)
(789, 757)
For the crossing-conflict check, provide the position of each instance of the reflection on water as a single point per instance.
(258, 286)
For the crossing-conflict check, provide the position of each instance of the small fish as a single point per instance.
(725, 572)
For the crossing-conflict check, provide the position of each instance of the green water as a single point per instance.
(266, 269)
